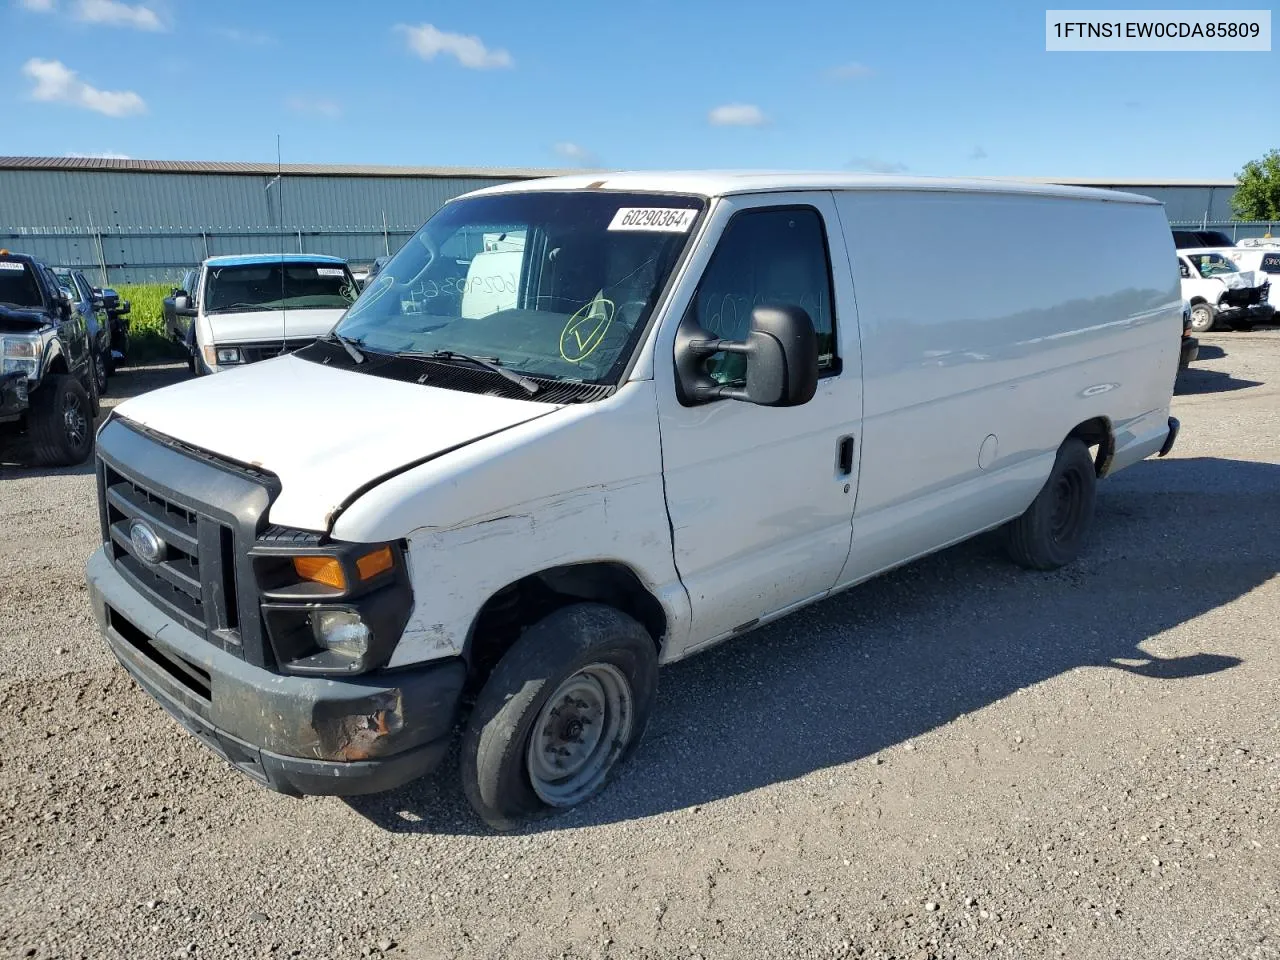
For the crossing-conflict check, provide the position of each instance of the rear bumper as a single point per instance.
(1172, 438)
(295, 735)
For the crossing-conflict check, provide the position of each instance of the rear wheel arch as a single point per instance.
(1097, 433)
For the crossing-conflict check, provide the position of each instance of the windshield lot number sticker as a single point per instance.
(329, 272)
(11, 265)
(656, 219)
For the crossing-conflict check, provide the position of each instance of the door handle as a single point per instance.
(844, 455)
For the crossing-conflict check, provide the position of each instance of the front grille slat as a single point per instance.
(167, 570)
(176, 531)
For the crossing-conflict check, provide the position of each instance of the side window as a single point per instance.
(768, 256)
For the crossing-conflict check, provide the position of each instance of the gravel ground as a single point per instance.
(959, 759)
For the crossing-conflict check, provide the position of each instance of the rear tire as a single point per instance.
(60, 422)
(1051, 532)
(562, 710)
(1203, 316)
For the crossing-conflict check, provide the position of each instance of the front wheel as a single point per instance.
(60, 422)
(563, 708)
(1051, 532)
(1202, 317)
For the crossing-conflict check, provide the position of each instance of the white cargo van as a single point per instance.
(242, 309)
(580, 427)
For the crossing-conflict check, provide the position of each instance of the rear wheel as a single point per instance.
(1051, 532)
(562, 709)
(101, 370)
(60, 422)
(1202, 317)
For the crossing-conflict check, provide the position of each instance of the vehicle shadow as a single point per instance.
(1210, 351)
(896, 657)
(1194, 380)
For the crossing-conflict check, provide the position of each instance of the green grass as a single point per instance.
(147, 340)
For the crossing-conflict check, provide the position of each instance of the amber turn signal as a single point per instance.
(324, 570)
(375, 562)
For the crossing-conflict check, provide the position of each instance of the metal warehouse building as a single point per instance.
(146, 220)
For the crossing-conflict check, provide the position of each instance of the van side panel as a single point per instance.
(1032, 316)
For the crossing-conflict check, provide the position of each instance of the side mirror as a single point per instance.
(781, 352)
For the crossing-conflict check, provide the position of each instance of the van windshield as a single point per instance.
(245, 288)
(551, 284)
(1213, 264)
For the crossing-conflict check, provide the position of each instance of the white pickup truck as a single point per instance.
(580, 427)
(241, 309)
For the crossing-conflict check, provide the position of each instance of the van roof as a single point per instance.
(253, 259)
(711, 183)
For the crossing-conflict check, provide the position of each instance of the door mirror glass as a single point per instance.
(780, 354)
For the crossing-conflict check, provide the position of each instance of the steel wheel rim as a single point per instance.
(73, 419)
(580, 732)
(1199, 319)
(1067, 504)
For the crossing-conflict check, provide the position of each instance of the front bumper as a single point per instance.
(296, 735)
(1254, 313)
(13, 395)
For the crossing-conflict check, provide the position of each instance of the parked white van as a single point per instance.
(583, 426)
(242, 309)
(1221, 293)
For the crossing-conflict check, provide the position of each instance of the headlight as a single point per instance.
(342, 632)
(215, 355)
(21, 354)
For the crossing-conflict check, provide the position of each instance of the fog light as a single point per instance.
(228, 355)
(341, 631)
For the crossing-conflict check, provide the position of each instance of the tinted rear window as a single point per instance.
(18, 287)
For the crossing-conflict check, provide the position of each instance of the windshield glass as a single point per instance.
(18, 287)
(557, 285)
(1213, 264)
(275, 286)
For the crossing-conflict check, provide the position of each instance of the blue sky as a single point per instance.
(929, 88)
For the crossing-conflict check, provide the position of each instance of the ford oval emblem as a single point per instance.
(146, 544)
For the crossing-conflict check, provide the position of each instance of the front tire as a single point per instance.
(1203, 316)
(60, 422)
(562, 710)
(1051, 532)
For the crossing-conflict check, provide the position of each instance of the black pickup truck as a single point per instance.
(48, 393)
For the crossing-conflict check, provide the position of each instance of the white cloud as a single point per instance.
(55, 83)
(850, 71)
(316, 106)
(576, 153)
(978, 153)
(249, 38)
(737, 115)
(39, 6)
(876, 165)
(428, 43)
(118, 14)
(100, 155)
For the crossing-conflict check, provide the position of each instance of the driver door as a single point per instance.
(761, 499)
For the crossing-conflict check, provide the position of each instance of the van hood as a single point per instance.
(1243, 280)
(271, 325)
(326, 433)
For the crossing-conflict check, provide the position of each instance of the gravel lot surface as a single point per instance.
(960, 759)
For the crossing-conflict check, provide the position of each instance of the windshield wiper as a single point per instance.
(489, 363)
(348, 344)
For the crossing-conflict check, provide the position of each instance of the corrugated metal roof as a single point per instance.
(117, 165)
(503, 173)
